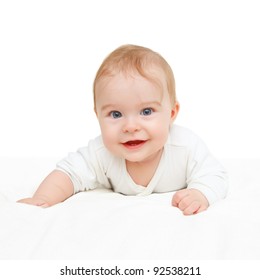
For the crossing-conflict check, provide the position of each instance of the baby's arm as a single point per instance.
(55, 188)
(190, 201)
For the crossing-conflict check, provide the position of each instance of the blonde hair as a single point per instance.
(131, 59)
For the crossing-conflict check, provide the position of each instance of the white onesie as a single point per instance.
(185, 162)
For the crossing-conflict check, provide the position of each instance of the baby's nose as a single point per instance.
(131, 125)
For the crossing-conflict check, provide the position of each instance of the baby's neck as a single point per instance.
(143, 172)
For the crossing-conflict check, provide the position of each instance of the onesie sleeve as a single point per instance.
(205, 173)
(83, 168)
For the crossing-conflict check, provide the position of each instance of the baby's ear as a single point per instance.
(175, 111)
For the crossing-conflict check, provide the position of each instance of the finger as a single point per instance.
(43, 205)
(185, 202)
(201, 209)
(40, 202)
(24, 200)
(34, 202)
(178, 196)
(21, 200)
(193, 208)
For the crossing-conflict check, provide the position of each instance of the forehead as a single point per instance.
(132, 80)
(126, 91)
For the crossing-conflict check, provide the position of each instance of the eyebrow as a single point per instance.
(103, 108)
(143, 105)
(150, 104)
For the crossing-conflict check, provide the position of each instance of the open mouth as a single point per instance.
(134, 143)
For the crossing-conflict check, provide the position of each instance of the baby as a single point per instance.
(140, 150)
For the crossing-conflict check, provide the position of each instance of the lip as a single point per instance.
(134, 144)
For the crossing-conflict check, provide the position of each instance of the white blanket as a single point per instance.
(101, 224)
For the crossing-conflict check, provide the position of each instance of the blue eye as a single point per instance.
(147, 111)
(115, 114)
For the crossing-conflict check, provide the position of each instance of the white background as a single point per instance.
(51, 50)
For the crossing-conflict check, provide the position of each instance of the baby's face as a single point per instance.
(135, 115)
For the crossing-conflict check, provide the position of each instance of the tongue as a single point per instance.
(133, 143)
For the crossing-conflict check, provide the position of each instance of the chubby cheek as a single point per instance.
(109, 138)
(160, 130)
(162, 136)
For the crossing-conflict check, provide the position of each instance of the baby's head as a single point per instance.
(132, 59)
(134, 97)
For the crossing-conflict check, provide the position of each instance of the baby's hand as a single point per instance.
(34, 201)
(190, 201)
